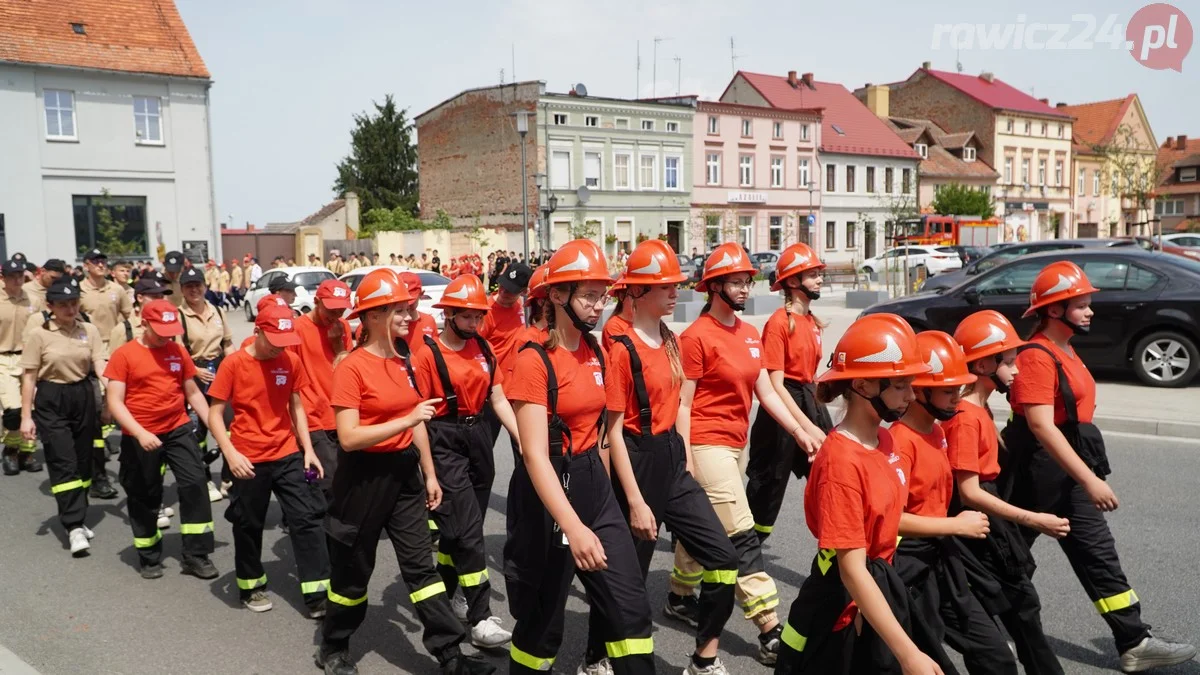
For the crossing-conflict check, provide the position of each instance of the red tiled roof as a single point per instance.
(1170, 156)
(863, 132)
(944, 164)
(1095, 123)
(995, 94)
(134, 36)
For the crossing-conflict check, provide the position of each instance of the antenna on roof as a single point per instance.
(501, 77)
(637, 92)
(514, 62)
(678, 73)
(733, 56)
(958, 60)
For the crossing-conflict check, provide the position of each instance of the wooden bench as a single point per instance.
(842, 273)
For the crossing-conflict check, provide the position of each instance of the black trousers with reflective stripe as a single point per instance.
(142, 477)
(775, 457)
(483, 460)
(303, 507)
(374, 492)
(538, 571)
(326, 446)
(67, 422)
(461, 555)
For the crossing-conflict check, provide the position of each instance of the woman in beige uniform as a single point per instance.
(208, 339)
(61, 359)
(15, 310)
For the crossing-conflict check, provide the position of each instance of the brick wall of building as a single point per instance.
(470, 157)
(928, 98)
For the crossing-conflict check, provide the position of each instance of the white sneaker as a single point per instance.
(164, 521)
(1153, 652)
(214, 494)
(603, 667)
(225, 485)
(168, 511)
(79, 542)
(458, 603)
(87, 532)
(717, 668)
(488, 634)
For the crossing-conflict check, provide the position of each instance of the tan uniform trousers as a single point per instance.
(10, 399)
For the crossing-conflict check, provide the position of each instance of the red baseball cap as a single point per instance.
(334, 294)
(413, 282)
(278, 324)
(269, 299)
(163, 317)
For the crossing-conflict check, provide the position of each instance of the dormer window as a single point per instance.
(968, 154)
(78, 29)
(922, 150)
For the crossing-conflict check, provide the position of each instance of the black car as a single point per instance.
(1000, 256)
(1147, 310)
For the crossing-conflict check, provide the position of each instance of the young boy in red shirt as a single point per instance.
(156, 434)
(263, 383)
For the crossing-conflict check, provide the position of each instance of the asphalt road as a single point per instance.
(96, 615)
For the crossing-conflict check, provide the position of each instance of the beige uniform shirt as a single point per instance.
(223, 281)
(36, 293)
(63, 357)
(118, 336)
(207, 334)
(336, 267)
(235, 277)
(14, 314)
(105, 305)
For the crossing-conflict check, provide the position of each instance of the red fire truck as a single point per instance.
(949, 231)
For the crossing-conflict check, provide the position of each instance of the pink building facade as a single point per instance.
(755, 176)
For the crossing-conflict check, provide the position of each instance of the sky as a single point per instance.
(289, 76)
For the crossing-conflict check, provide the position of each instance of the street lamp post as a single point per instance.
(522, 129)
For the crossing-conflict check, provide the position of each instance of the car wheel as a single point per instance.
(867, 269)
(249, 311)
(1166, 359)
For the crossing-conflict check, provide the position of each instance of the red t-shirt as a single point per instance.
(1037, 382)
(380, 390)
(153, 383)
(797, 354)
(725, 361)
(527, 334)
(923, 458)
(661, 386)
(616, 325)
(469, 374)
(503, 327)
(854, 496)
(247, 342)
(316, 357)
(417, 330)
(972, 443)
(580, 389)
(260, 393)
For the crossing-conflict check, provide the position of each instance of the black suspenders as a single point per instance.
(558, 427)
(639, 385)
(1064, 386)
(448, 390)
(402, 349)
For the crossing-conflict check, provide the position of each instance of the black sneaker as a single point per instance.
(154, 571)
(317, 611)
(467, 665)
(12, 466)
(29, 463)
(334, 662)
(199, 566)
(686, 608)
(768, 645)
(102, 488)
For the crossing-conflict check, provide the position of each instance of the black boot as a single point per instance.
(455, 663)
(334, 662)
(12, 466)
(102, 488)
(29, 463)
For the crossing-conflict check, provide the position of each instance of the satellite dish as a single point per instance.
(580, 90)
(583, 194)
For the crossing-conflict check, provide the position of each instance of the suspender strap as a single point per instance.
(439, 361)
(1064, 385)
(406, 355)
(639, 385)
(128, 331)
(559, 432)
(602, 423)
(490, 358)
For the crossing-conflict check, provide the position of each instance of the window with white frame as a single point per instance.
(147, 119)
(922, 150)
(1081, 186)
(888, 180)
(831, 178)
(1041, 172)
(621, 123)
(851, 231)
(592, 168)
(670, 173)
(712, 230)
(648, 167)
(777, 130)
(1028, 128)
(560, 119)
(1114, 191)
(647, 125)
(804, 132)
(777, 172)
(906, 183)
(1025, 171)
(1045, 129)
(870, 179)
(747, 128)
(1187, 175)
(968, 154)
(746, 229)
(1058, 173)
(591, 121)
(1169, 207)
(713, 167)
(621, 170)
(60, 113)
(1008, 175)
(850, 175)
(560, 169)
(830, 235)
(714, 125)
(746, 171)
(1060, 131)
(804, 177)
(775, 234)
(1096, 183)
(673, 127)
(1008, 125)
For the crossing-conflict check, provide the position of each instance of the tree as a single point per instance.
(896, 209)
(1132, 167)
(382, 165)
(110, 231)
(959, 200)
(400, 219)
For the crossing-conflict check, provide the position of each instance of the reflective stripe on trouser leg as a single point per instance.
(248, 502)
(179, 451)
(143, 492)
(461, 543)
(303, 507)
(65, 416)
(27, 446)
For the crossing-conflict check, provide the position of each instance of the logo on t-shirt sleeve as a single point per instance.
(175, 367)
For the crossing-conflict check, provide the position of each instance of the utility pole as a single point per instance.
(655, 68)
(678, 73)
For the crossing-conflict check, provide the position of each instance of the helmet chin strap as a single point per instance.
(1075, 328)
(885, 413)
(580, 325)
(462, 334)
(737, 306)
(812, 295)
(940, 414)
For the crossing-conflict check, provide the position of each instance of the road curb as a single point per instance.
(11, 664)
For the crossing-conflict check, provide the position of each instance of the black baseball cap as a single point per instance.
(173, 262)
(55, 265)
(63, 289)
(516, 279)
(191, 276)
(14, 266)
(151, 286)
(94, 255)
(281, 283)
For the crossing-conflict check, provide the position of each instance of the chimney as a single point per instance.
(1044, 101)
(807, 79)
(987, 77)
(792, 78)
(1181, 143)
(1060, 104)
(926, 65)
(878, 97)
(351, 211)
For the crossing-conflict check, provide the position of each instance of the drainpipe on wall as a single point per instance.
(212, 187)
